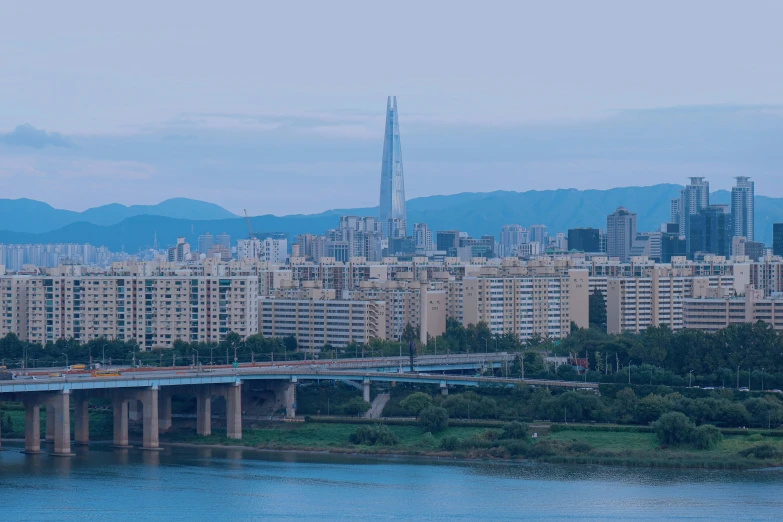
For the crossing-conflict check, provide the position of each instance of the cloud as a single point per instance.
(28, 136)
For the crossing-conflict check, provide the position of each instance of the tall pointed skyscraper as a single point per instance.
(392, 204)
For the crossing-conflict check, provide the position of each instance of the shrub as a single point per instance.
(354, 406)
(706, 436)
(541, 449)
(434, 419)
(673, 428)
(580, 447)
(428, 440)
(377, 434)
(756, 437)
(414, 403)
(516, 448)
(514, 430)
(450, 443)
(762, 451)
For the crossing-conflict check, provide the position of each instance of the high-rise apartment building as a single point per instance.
(620, 232)
(693, 199)
(392, 203)
(537, 234)
(179, 252)
(742, 213)
(511, 236)
(422, 238)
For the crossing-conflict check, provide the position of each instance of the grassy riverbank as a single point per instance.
(593, 446)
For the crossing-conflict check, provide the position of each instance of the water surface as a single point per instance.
(232, 484)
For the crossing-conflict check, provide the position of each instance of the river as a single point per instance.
(232, 484)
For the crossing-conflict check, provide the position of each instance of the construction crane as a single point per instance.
(249, 226)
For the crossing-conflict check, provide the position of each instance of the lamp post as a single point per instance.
(66, 360)
(762, 379)
(690, 378)
(738, 377)
(103, 355)
(211, 350)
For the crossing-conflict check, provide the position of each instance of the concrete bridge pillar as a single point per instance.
(49, 423)
(81, 420)
(61, 407)
(149, 401)
(32, 425)
(120, 407)
(289, 399)
(204, 411)
(366, 390)
(1, 429)
(234, 411)
(164, 410)
(444, 389)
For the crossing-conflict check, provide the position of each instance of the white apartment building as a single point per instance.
(527, 305)
(153, 311)
(315, 323)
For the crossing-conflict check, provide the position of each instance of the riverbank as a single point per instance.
(564, 445)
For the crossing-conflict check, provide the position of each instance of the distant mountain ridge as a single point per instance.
(27, 215)
(475, 213)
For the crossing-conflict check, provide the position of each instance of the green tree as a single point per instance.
(415, 403)
(434, 419)
(597, 310)
(673, 428)
(706, 437)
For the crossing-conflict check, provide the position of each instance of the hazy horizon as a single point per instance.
(279, 109)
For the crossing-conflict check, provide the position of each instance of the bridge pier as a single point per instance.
(234, 411)
(120, 407)
(1, 429)
(164, 410)
(81, 419)
(289, 399)
(444, 389)
(366, 390)
(32, 425)
(204, 411)
(61, 407)
(149, 401)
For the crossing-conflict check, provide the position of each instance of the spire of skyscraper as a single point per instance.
(392, 204)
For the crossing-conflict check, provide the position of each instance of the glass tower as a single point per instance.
(392, 204)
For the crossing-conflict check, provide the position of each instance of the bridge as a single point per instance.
(153, 388)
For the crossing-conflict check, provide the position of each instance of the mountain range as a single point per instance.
(133, 228)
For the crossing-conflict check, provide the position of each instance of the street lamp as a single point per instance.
(211, 349)
(690, 378)
(103, 355)
(762, 379)
(738, 377)
(66, 360)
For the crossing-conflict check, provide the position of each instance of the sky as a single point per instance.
(278, 107)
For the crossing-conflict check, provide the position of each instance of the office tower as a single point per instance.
(777, 239)
(392, 204)
(422, 237)
(693, 199)
(446, 239)
(584, 239)
(620, 232)
(672, 245)
(223, 239)
(710, 231)
(511, 236)
(742, 207)
(205, 242)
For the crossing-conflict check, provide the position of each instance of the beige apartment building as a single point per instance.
(710, 311)
(314, 323)
(154, 311)
(527, 305)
